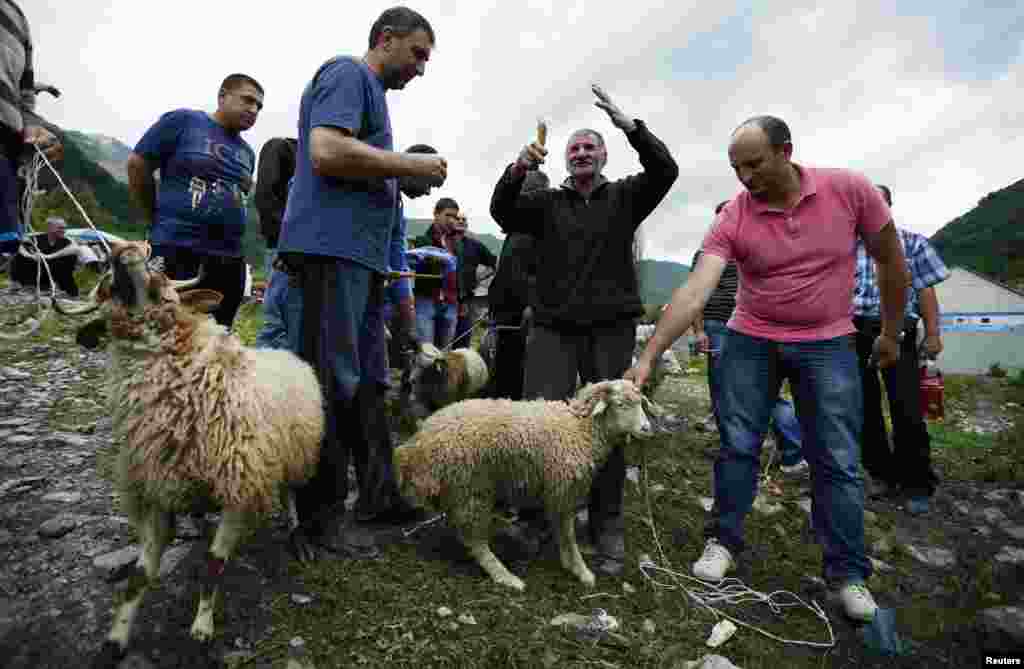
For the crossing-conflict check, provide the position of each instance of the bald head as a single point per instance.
(760, 151)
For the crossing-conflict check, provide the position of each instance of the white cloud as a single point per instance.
(863, 85)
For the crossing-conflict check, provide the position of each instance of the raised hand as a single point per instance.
(531, 156)
(618, 119)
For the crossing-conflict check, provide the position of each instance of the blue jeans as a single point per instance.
(825, 378)
(274, 333)
(435, 321)
(784, 421)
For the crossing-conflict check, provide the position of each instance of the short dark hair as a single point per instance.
(421, 148)
(535, 180)
(772, 126)
(445, 203)
(589, 131)
(720, 206)
(233, 81)
(402, 21)
(886, 193)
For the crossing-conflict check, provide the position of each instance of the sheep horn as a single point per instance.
(185, 284)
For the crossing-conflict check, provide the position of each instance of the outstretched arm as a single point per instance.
(686, 306)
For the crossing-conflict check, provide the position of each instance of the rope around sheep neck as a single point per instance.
(727, 591)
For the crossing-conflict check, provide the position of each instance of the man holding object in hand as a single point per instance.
(584, 319)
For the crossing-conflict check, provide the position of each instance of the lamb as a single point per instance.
(440, 378)
(203, 423)
(469, 455)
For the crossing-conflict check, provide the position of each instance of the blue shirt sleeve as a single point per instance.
(162, 137)
(401, 288)
(339, 97)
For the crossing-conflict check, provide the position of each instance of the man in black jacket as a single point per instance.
(275, 171)
(588, 297)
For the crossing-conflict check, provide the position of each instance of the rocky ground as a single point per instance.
(65, 545)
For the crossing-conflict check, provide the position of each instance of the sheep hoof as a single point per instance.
(109, 657)
(202, 630)
(512, 581)
(587, 577)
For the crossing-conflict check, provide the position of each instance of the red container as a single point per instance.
(932, 393)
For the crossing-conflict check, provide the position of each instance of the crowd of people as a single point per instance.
(802, 277)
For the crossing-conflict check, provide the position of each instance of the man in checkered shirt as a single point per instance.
(906, 469)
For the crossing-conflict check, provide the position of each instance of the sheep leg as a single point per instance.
(233, 527)
(569, 552)
(155, 529)
(481, 552)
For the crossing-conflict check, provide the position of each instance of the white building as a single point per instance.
(982, 324)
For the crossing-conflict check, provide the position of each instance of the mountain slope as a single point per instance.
(990, 237)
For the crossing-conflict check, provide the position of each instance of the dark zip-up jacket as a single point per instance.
(584, 250)
(276, 168)
(470, 254)
(514, 285)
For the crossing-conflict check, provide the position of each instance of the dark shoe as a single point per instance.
(348, 541)
(882, 489)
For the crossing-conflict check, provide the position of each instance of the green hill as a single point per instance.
(990, 237)
(659, 278)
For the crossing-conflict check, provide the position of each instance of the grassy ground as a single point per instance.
(385, 613)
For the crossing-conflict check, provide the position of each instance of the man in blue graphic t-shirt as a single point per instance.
(198, 217)
(335, 237)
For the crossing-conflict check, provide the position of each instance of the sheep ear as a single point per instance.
(202, 300)
(598, 408)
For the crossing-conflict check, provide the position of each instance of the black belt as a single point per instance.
(871, 323)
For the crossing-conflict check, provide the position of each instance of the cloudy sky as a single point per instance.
(921, 95)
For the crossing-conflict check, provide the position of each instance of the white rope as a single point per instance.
(81, 210)
(728, 591)
(451, 344)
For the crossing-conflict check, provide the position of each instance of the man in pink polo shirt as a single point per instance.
(793, 236)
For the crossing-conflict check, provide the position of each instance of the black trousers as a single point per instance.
(553, 359)
(224, 274)
(908, 462)
(509, 359)
(24, 271)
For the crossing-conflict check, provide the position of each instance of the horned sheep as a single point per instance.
(202, 421)
(473, 453)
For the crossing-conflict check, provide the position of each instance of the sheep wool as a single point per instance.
(207, 419)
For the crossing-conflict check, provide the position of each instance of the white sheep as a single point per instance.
(473, 453)
(203, 422)
(440, 378)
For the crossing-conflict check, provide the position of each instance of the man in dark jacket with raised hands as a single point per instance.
(588, 296)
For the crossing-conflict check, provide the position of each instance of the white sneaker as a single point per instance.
(714, 563)
(858, 602)
(799, 469)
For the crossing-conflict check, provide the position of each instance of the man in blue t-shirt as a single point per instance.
(335, 238)
(198, 217)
